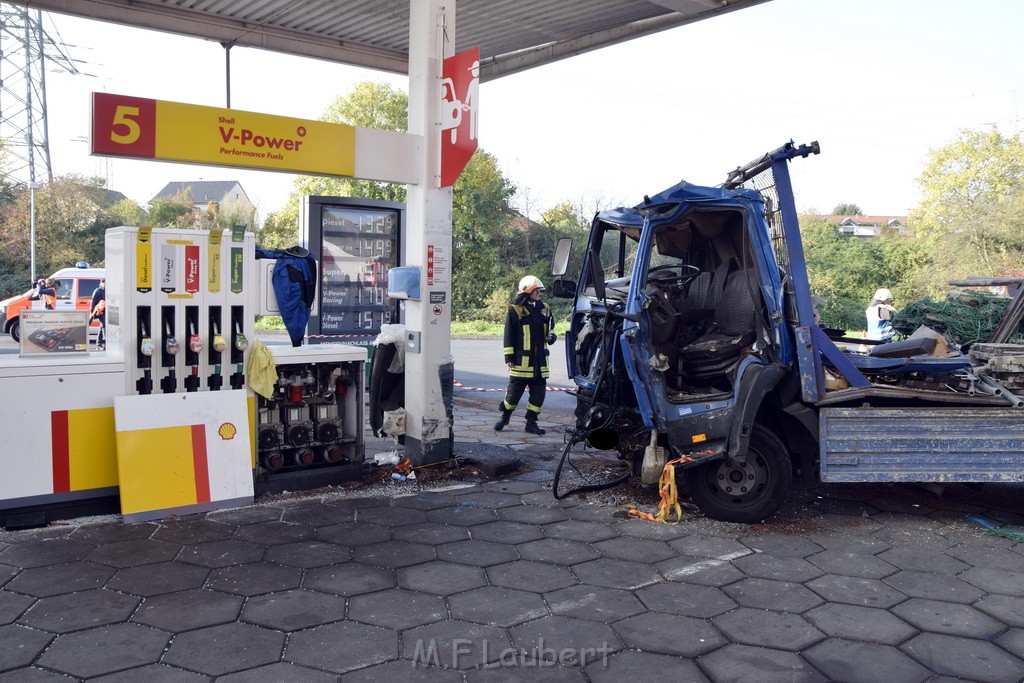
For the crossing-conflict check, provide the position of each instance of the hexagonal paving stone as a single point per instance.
(77, 611)
(849, 660)
(575, 530)
(777, 567)
(531, 576)
(477, 553)
(425, 501)
(155, 673)
(967, 658)
(46, 552)
(934, 586)
(632, 548)
(852, 564)
(20, 645)
(1007, 560)
(1005, 608)
(402, 671)
(192, 531)
(783, 546)
(928, 560)
(273, 533)
(512, 533)
(557, 551)
(308, 554)
(766, 628)
(497, 606)
(462, 515)
(702, 572)
(745, 663)
(643, 666)
(221, 553)
(853, 591)
(354, 533)
(317, 514)
(431, 533)
(393, 554)
(570, 642)
(454, 644)
(766, 594)
(280, 672)
(132, 553)
(109, 533)
(490, 499)
(669, 634)
(348, 579)
(342, 646)
(385, 515)
(7, 573)
(684, 599)
(1012, 640)
(163, 577)
(594, 603)
(533, 514)
(948, 618)
(219, 650)
(867, 624)
(995, 580)
(254, 578)
(64, 578)
(13, 605)
(189, 610)
(641, 528)
(441, 578)
(710, 547)
(99, 651)
(397, 608)
(595, 512)
(293, 610)
(616, 573)
(253, 514)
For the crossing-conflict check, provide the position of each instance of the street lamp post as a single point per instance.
(32, 187)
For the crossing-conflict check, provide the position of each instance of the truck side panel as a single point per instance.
(922, 444)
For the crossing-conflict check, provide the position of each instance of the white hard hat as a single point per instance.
(530, 283)
(883, 295)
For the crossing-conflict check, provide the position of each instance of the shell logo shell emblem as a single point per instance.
(227, 431)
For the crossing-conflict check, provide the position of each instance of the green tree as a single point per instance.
(170, 212)
(971, 213)
(846, 210)
(127, 212)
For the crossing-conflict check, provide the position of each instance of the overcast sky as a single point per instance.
(877, 82)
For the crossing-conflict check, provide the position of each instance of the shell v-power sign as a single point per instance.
(172, 131)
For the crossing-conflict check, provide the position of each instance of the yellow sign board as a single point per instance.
(172, 131)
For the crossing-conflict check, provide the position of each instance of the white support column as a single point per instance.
(430, 371)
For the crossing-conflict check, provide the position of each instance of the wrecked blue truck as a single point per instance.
(694, 339)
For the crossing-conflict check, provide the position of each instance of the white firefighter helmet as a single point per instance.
(529, 283)
(883, 295)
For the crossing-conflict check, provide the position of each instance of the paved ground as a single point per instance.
(499, 582)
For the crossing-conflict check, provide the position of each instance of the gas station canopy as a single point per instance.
(513, 35)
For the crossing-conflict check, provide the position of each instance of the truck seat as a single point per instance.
(734, 328)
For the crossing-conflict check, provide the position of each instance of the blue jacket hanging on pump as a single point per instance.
(294, 279)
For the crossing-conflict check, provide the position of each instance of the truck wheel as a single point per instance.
(745, 491)
(16, 330)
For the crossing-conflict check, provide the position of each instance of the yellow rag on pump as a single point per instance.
(262, 369)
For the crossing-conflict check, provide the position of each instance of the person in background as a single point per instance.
(879, 315)
(46, 290)
(98, 309)
(528, 333)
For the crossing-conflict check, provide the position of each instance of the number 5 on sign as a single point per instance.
(123, 126)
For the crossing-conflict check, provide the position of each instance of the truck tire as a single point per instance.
(16, 330)
(745, 491)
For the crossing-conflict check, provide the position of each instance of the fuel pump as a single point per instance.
(238, 347)
(217, 347)
(144, 352)
(169, 351)
(195, 346)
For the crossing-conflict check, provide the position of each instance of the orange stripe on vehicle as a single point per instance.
(59, 449)
(199, 462)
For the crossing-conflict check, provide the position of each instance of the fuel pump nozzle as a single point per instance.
(144, 357)
(240, 345)
(169, 384)
(195, 346)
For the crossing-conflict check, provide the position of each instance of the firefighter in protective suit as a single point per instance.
(528, 333)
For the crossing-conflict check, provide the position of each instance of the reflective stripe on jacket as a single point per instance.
(526, 328)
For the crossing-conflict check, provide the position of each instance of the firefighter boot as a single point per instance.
(532, 426)
(506, 415)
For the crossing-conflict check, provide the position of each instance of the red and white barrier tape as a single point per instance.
(460, 385)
